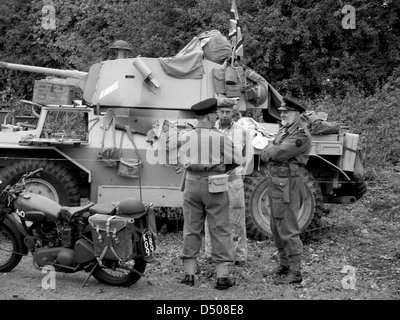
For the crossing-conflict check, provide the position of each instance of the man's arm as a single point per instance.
(289, 148)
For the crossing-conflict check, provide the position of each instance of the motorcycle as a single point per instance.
(112, 243)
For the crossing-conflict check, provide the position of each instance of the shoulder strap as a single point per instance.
(129, 132)
(120, 143)
(104, 136)
(113, 131)
(106, 127)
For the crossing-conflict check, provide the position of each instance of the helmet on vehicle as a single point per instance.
(259, 95)
(121, 44)
(130, 207)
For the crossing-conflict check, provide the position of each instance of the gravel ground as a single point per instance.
(363, 236)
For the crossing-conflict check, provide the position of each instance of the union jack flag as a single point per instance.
(235, 33)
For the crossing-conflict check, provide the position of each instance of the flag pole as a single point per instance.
(235, 34)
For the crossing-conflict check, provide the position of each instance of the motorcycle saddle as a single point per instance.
(75, 210)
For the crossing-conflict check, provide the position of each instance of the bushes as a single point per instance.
(9, 100)
(375, 118)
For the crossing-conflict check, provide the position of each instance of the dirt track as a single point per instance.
(363, 235)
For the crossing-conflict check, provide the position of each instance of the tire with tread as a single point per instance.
(257, 207)
(62, 184)
(128, 278)
(8, 245)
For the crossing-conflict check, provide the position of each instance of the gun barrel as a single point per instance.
(50, 71)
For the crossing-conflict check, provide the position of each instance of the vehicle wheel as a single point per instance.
(54, 182)
(8, 246)
(258, 211)
(118, 276)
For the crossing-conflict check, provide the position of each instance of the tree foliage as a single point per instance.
(300, 46)
(375, 118)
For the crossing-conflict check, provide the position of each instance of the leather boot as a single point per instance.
(295, 262)
(240, 263)
(190, 269)
(188, 280)
(291, 277)
(225, 283)
(278, 271)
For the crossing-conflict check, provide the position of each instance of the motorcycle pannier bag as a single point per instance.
(112, 236)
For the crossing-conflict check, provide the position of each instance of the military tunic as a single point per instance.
(285, 158)
(204, 152)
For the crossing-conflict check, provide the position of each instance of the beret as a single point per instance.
(224, 102)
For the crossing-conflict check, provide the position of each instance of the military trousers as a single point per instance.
(199, 203)
(237, 218)
(285, 198)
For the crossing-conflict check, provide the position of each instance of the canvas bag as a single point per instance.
(130, 167)
(234, 81)
(219, 80)
(218, 183)
(112, 236)
(110, 155)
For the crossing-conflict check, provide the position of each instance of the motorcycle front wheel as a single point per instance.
(121, 277)
(9, 259)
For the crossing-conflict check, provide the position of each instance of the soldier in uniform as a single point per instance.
(285, 158)
(121, 48)
(206, 152)
(239, 136)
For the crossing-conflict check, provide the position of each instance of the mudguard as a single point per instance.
(16, 227)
